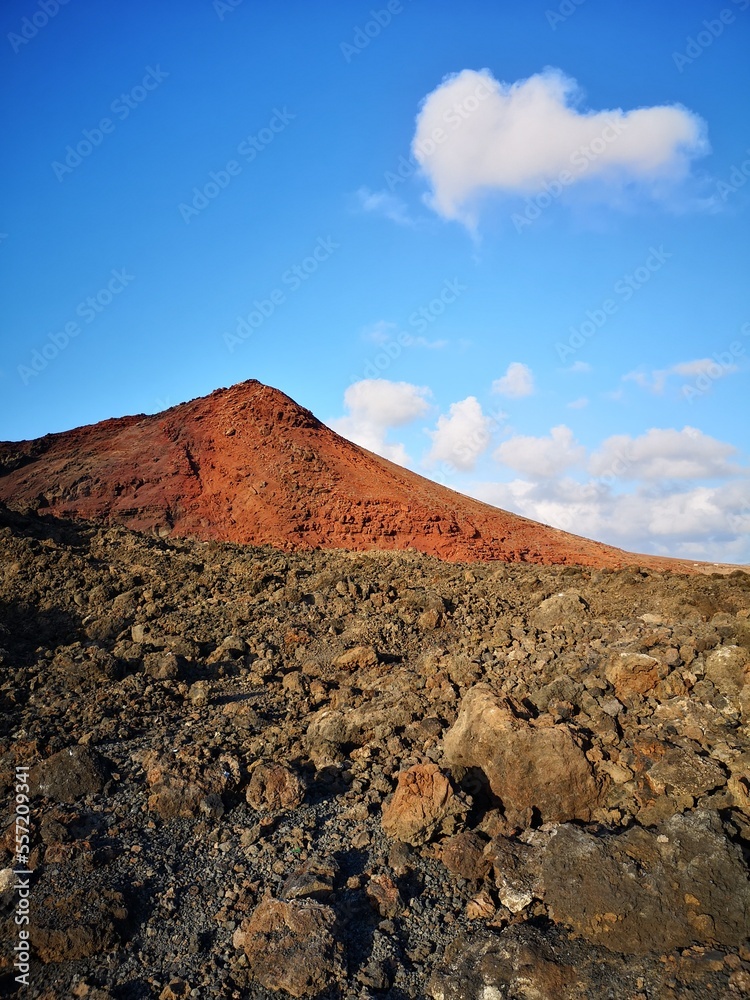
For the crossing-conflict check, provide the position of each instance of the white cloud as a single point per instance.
(711, 523)
(380, 332)
(475, 134)
(653, 381)
(542, 456)
(578, 404)
(706, 368)
(386, 204)
(517, 381)
(385, 332)
(664, 454)
(688, 369)
(375, 406)
(579, 368)
(462, 436)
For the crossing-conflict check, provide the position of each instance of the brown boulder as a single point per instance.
(273, 787)
(728, 669)
(358, 658)
(632, 674)
(560, 609)
(674, 782)
(489, 966)
(533, 771)
(290, 946)
(179, 789)
(384, 896)
(464, 855)
(424, 802)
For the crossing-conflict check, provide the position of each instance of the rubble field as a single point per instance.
(256, 773)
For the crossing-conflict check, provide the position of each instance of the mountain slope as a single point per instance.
(247, 464)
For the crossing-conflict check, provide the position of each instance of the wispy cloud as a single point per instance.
(386, 204)
(656, 380)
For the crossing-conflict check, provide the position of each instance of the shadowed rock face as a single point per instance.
(247, 464)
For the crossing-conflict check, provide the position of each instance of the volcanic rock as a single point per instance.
(273, 787)
(170, 836)
(633, 674)
(560, 609)
(639, 891)
(70, 774)
(728, 668)
(463, 854)
(79, 925)
(423, 803)
(487, 966)
(291, 946)
(534, 771)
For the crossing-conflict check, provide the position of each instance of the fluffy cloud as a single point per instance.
(475, 134)
(711, 523)
(517, 381)
(462, 436)
(541, 457)
(656, 512)
(664, 454)
(376, 405)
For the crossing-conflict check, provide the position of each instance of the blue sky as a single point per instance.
(504, 244)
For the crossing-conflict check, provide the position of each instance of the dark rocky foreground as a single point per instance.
(370, 775)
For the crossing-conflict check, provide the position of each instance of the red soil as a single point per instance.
(248, 465)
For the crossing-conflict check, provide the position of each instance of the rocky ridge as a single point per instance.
(363, 775)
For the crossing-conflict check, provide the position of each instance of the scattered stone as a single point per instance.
(480, 907)
(358, 658)
(728, 669)
(463, 854)
(161, 666)
(632, 674)
(314, 880)
(174, 794)
(384, 896)
(485, 967)
(517, 873)
(676, 781)
(560, 609)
